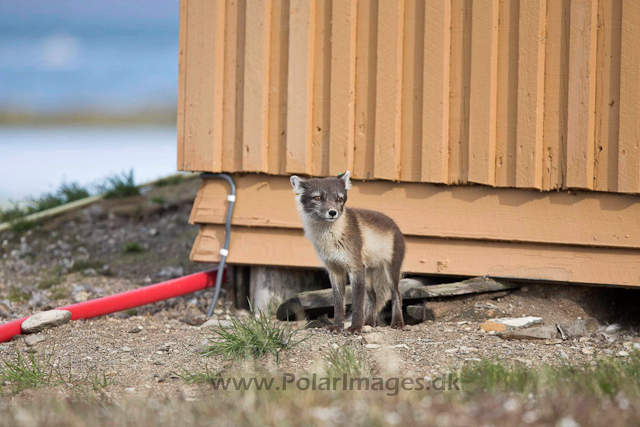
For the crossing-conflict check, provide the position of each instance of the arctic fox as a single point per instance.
(366, 246)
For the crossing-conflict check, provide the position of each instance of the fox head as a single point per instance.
(322, 199)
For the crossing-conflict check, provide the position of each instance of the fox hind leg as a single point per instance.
(371, 314)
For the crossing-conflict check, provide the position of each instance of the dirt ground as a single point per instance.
(84, 255)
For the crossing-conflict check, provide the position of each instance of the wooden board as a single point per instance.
(288, 247)
(629, 148)
(484, 92)
(581, 101)
(607, 220)
(507, 98)
(389, 90)
(556, 95)
(366, 59)
(343, 90)
(436, 85)
(411, 289)
(531, 68)
(202, 127)
(300, 90)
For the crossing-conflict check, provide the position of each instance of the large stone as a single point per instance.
(45, 320)
(510, 323)
(536, 333)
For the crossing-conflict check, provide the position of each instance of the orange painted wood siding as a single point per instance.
(539, 94)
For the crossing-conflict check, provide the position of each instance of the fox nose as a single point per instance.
(333, 212)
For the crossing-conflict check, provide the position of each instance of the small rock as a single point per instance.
(375, 338)
(135, 329)
(81, 296)
(215, 323)
(367, 329)
(372, 346)
(587, 351)
(32, 340)
(90, 272)
(44, 320)
(567, 422)
(509, 323)
(126, 349)
(622, 354)
(171, 272)
(335, 346)
(194, 318)
(451, 350)
(153, 232)
(613, 328)
(130, 389)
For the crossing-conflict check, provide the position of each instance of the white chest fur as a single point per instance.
(328, 240)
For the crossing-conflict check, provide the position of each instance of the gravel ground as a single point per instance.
(82, 255)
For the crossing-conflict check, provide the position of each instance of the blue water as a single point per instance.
(37, 160)
(61, 56)
(116, 55)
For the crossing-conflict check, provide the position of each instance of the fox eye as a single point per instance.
(317, 198)
(340, 199)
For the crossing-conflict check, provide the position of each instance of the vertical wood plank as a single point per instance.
(366, 59)
(256, 86)
(412, 91)
(629, 144)
(507, 99)
(320, 145)
(233, 86)
(300, 85)
(556, 95)
(278, 68)
(182, 83)
(460, 80)
(531, 59)
(343, 81)
(581, 115)
(389, 90)
(203, 114)
(607, 109)
(483, 96)
(435, 110)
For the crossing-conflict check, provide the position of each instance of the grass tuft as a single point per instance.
(607, 377)
(119, 186)
(198, 377)
(158, 200)
(44, 202)
(347, 360)
(169, 180)
(73, 192)
(18, 295)
(253, 337)
(30, 372)
(132, 248)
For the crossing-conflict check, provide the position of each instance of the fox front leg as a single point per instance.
(338, 284)
(357, 279)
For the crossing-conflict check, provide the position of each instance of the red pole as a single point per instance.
(126, 300)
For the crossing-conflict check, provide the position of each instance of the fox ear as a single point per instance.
(296, 183)
(346, 177)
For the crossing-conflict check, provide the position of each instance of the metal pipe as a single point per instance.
(224, 251)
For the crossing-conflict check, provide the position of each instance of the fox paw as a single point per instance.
(398, 324)
(355, 330)
(335, 329)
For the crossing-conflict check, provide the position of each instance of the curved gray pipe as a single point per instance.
(224, 251)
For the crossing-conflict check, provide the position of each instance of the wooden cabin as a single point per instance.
(503, 136)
